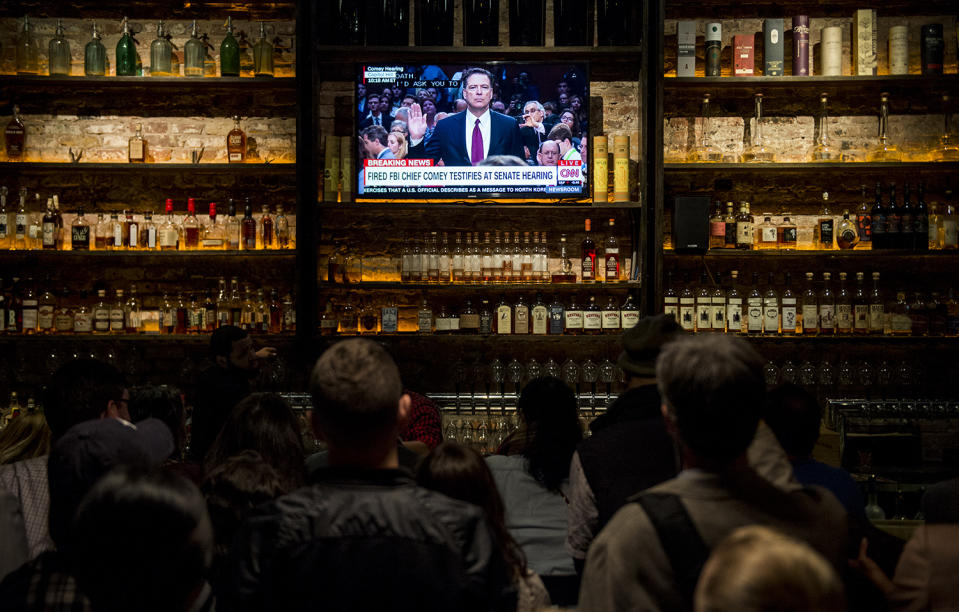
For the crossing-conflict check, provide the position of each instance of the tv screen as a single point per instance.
(503, 131)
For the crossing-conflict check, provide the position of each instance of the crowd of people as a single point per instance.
(392, 121)
(695, 491)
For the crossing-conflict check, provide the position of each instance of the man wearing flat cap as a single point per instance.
(630, 449)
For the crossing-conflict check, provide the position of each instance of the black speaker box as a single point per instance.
(691, 223)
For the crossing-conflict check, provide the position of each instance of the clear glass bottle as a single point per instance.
(262, 55)
(876, 307)
(424, 318)
(704, 305)
(443, 260)
(229, 52)
(745, 232)
(214, 234)
(734, 306)
(717, 228)
(860, 306)
(236, 143)
(457, 261)
(612, 316)
(282, 225)
(758, 151)
(827, 307)
(28, 51)
(786, 234)
(232, 227)
(810, 307)
(59, 53)
(95, 55)
(611, 254)
(80, 233)
(521, 316)
(248, 228)
(190, 229)
(194, 55)
(137, 152)
(266, 229)
(767, 236)
(687, 306)
(844, 307)
(706, 151)
(754, 308)
(126, 53)
(771, 322)
(161, 54)
(789, 312)
(884, 151)
(822, 151)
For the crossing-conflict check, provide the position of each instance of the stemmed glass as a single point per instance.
(533, 369)
(553, 369)
(590, 375)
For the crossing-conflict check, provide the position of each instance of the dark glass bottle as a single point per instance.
(481, 23)
(527, 23)
(920, 220)
(893, 221)
(346, 22)
(248, 228)
(389, 23)
(878, 214)
(618, 22)
(229, 52)
(126, 52)
(907, 223)
(434, 22)
(574, 23)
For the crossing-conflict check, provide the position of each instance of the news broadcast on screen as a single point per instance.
(501, 131)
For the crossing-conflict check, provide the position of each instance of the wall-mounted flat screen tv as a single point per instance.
(472, 132)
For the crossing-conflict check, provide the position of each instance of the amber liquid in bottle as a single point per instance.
(248, 228)
(236, 143)
(14, 136)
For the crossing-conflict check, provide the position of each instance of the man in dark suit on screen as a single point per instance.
(468, 137)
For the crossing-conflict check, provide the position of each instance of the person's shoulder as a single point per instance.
(628, 528)
(505, 463)
(35, 467)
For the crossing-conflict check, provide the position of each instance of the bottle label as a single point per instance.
(329, 324)
(167, 237)
(556, 320)
(592, 319)
(454, 323)
(486, 323)
(587, 268)
(826, 231)
(810, 316)
(3, 226)
(629, 318)
(771, 316)
(49, 232)
(734, 314)
(21, 223)
(789, 318)
(704, 315)
(212, 243)
(169, 318)
(133, 319)
(521, 320)
(876, 316)
(540, 320)
(82, 322)
(730, 234)
(101, 319)
(861, 314)
(754, 315)
(718, 313)
(45, 316)
(64, 321)
(504, 320)
(745, 232)
(612, 266)
(864, 224)
(118, 235)
(768, 234)
(950, 231)
(574, 319)
(827, 317)
(443, 324)
(844, 316)
(611, 319)
(789, 235)
(80, 237)
(424, 321)
(116, 319)
(469, 321)
(717, 228)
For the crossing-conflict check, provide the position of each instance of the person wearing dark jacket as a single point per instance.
(363, 535)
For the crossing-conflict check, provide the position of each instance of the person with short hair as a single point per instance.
(651, 552)
(375, 140)
(758, 569)
(564, 137)
(363, 536)
(548, 153)
(375, 114)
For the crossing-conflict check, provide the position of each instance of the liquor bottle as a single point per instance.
(787, 234)
(282, 229)
(767, 235)
(687, 306)
(486, 262)
(266, 228)
(58, 223)
(526, 261)
(161, 54)
(504, 317)
(15, 136)
(214, 235)
(221, 314)
(825, 232)
(758, 151)
(262, 55)
(611, 254)
(906, 221)
(236, 304)
(900, 324)
(557, 317)
(80, 233)
(704, 306)
(458, 260)
(884, 150)
(248, 228)
(717, 228)
(434, 22)
(480, 23)
(118, 313)
(137, 147)
(541, 259)
(46, 310)
(210, 319)
(5, 225)
(389, 318)
(115, 240)
(789, 314)
(63, 315)
(527, 22)
(932, 48)
(844, 308)
(236, 143)
(168, 236)
(28, 52)
(148, 233)
(126, 52)
(611, 316)
(469, 319)
(734, 306)
(82, 316)
(771, 322)
(846, 235)
(349, 321)
(191, 227)
(574, 23)
(167, 315)
(181, 315)
(194, 55)
(95, 55)
(229, 53)
(131, 232)
(48, 228)
(670, 298)
(893, 221)
(860, 306)
(864, 220)
(29, 309)
(486, 319)
(131, 312)
(754, 308)
(879, 222)
(729, 225)
(745, 233)
(475, 259)
(920, 230)
(876, 307)
(592, 317)
(444, 260)
(370, 323)
(809, 312)
(433, 261)
(574, 317)
(588, 259)
(822, 150)
(100, 233)
(827, 307)
(101, 313)
(949, 225)
(874, 511)
(520, 317)
(20, 223)
(59, 53)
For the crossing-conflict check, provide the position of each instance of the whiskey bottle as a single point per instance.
(734, 306)
(612, 323)
(860, 306)
(504, 317)
(117, 313)
(486, 263)
(704, 306)
(469, 319)
(541, 260)
(137, 147)
(754, 308)
(516, 274)
(191, 227)
(670, 299)
(236, 143)
(566, 265)
(5, 225)
(574, 317)
(592, 317)
(115, 241)
(771, 323)
(194, 55)
(389, 317)
(786, 234)
(266, 229)
(876, 307)
(443, 260)
(148, 233)
(58, 223)
(717, 309)
(63, 315)
(526, 264)
(893, 221)
(236, 304)
(29, 309)
(864, 220)
(131, 232)
(282, 225)
(59, 53)
(161, 54)
(878, 218)
(611, 255)
(729, 225)
(825, 232)
(433, 261)
(95, 55)
(810, 308)
(349, 321)
(214, 236)
(520, 317)
(767, 235)
(474, 260)
(458, 260)
(131, 312)
(846, 235)
(167, 315)
(229, 52)
(15, 136)
(588, 258)
(28, 52)
(80, 233)
(717, 228)
(46, 310)
(789, 315)
(48, 228)
(920, 221)
(182, 314)
(486, 319)
(126, 52)
(827, 307)
(498, 261)
(248, 228)
(906, 221)
(687, 306)
(369, 321)
(262, 55)
(557, 317)
(82, 316)
(168, 236)
(629, 313)
(745, 233)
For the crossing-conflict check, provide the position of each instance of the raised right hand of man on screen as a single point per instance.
(417, 123)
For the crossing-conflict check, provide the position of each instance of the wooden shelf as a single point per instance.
(150, 9)
(950, 342)
(428, 341)
(873, 168)
(795, 96)
(149, 96)
(473, 287)
(722, 9)
(383, 206)
(899, 255)
(72, 258)
(191, 339)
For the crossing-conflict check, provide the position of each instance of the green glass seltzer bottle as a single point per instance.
(229, 52)
(262, 55)
(59, 53)
(194, 55)
(95, 55)
(161, 54)
(126, 52)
